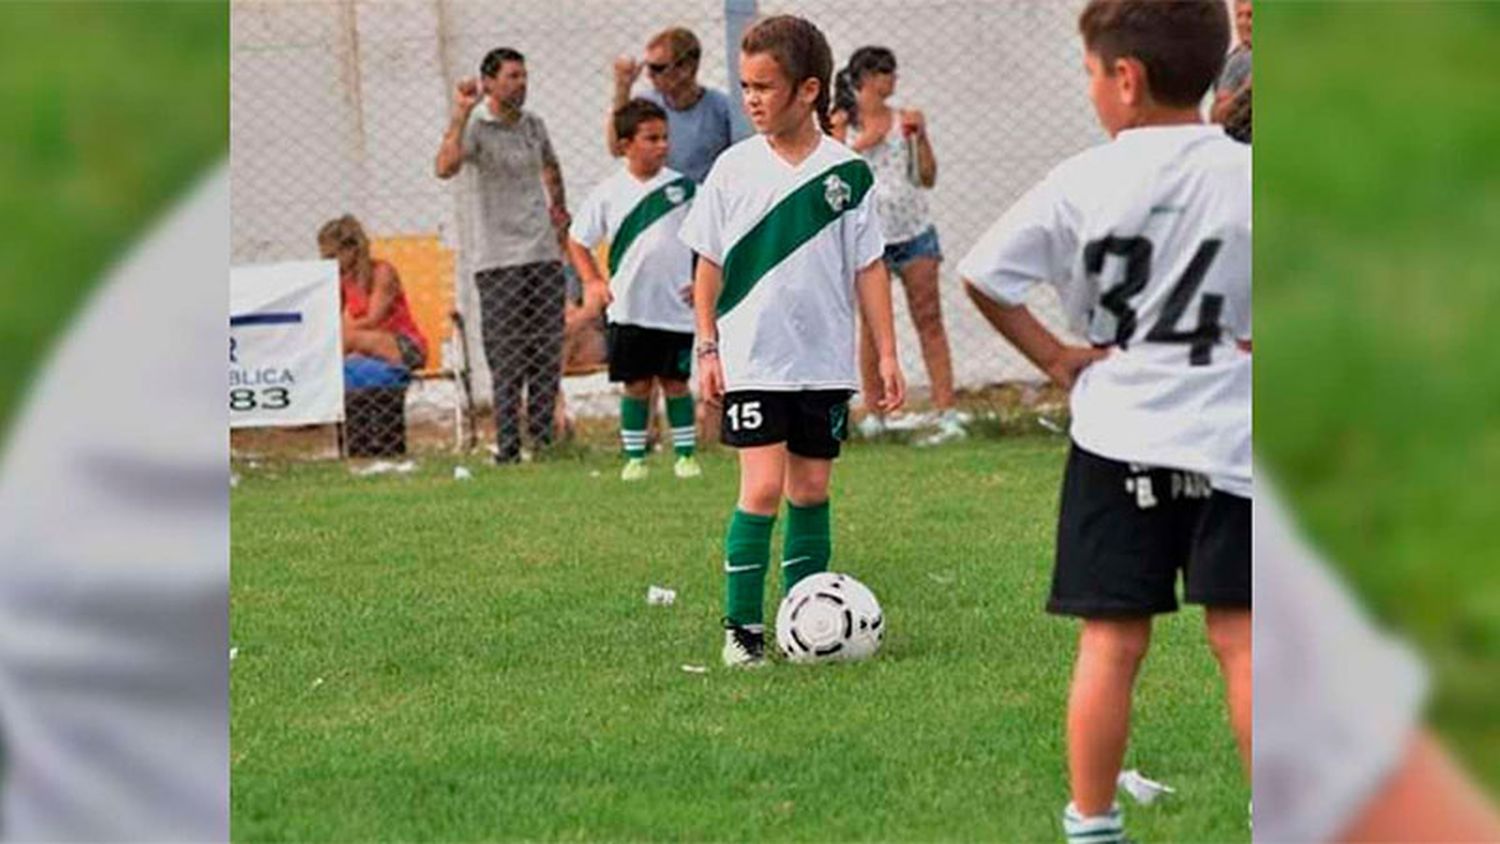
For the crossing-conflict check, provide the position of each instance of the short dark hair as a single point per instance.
(1181, 43)
(629, 117)
(497, 57)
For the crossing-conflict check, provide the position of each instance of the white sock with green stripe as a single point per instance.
(1107, 828)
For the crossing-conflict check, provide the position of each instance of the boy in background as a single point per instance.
(650, 335)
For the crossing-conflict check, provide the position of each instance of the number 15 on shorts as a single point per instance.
(744, 416)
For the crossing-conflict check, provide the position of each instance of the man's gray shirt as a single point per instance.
(510, 202)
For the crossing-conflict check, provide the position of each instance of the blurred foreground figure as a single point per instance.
(114, 557)
(1340, 749)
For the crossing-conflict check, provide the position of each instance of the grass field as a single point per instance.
(1377, 203)
(107, 112)
(421, 658)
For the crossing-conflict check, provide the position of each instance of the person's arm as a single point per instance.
(1017, 324)
(383, 288)
(552, 181)
(557, 201)
(873, 286)
(596, 295)
(450, 155)
(627, 70)
(866, 138)
(1428, 798)
(708, 280)
(914, 122)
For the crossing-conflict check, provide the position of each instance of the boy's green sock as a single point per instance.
(684, 427)
(633, 416)
(747, 552)
(807, 545)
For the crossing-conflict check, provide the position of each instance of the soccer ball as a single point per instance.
(829, 617)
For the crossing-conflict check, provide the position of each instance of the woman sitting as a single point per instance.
(377, 321)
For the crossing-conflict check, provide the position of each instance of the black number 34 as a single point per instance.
(1136, 251)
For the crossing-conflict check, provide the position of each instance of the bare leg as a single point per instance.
(374, 343)
(807, 479)
(1229, 636)
(920, 277)
(762, 474)
(1109, 655)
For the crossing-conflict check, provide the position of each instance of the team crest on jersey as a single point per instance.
(836, 192)
(675, 194)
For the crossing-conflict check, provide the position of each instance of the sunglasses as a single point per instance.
(659, 69)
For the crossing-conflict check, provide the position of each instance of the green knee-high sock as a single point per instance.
(684, 428)
(747, 552)
(633, 416)
(807, 545)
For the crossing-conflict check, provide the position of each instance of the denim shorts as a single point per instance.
(924, 245)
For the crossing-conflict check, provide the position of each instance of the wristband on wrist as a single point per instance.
(707, 348)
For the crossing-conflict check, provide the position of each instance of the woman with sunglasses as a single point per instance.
(698, 118)
(895, 143)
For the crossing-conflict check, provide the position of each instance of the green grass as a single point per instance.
(1377, 203)
(107, 111)
(490, 669)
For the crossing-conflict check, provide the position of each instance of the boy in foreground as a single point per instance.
(1147, 239)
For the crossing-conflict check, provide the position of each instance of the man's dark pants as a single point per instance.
(522, 312)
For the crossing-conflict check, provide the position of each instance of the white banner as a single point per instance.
(286, 366)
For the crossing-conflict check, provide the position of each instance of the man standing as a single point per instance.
(699, 120)
(520, 206)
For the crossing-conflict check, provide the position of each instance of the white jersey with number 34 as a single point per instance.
(1147, 240)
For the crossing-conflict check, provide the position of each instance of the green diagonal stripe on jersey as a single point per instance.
(792, 222)
(652, 207)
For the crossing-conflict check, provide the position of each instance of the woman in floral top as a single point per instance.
(895, 143)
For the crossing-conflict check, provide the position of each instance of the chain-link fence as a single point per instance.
(340, 107)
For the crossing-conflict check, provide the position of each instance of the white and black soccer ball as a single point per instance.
(829, 617)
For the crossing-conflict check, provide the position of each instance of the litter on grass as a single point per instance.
(1144, 791)
(385, 467)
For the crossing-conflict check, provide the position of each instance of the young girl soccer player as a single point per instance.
(787, 238)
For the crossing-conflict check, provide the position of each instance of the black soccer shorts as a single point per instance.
(812, 423)
(637, 353)
(1125, 531)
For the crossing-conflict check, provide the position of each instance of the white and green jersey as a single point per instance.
(790, 240)
(1147, 240)
(648, 265)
